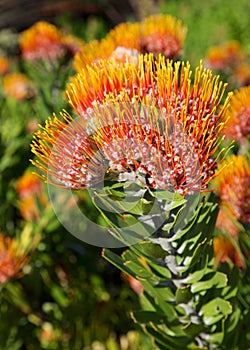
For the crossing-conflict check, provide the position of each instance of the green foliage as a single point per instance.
(187, 302)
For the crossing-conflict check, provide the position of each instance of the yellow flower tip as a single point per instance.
(238, 126)
(233, 186)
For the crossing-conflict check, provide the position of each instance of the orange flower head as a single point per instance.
(238, 127)
(18, 86)
(42, 41)
(30, 189)
(233, 186)
(159, 34)
(149, 123)
(242, 74)
(13, 256)
(225, 250)
(4, 65)
(162, 34)
(120, 45)
(126, 35)
(225, 56)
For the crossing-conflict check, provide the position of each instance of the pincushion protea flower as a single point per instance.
(225, 56)
(17, 85)
(233, 186)
(159, 34)
(149, 122)
(13, 256)
(42, 41)
(238, 127)
(162, 34)
(30, 190)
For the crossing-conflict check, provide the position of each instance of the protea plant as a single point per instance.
(146, 144)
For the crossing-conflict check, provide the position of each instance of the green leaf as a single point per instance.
(157, 300)
(213, 280)
(193, 329)
(215, 310)
(234, 318)
(116, 260)
(149, 250)
(168, 196)
(183, 295)
(194, 277)
(165, 341)
(59, 296)
(145, 317)
(16, 294)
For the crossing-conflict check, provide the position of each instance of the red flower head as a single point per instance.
(147, 122)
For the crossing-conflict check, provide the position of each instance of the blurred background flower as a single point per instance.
(18, 86)
(44, 41)
(157, 34)
(238, 127)
(4, 65)
(31, 196)
(15, 253)
(227, 250)
(233, 186)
